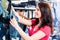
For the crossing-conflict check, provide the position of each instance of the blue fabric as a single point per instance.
(58, 11)
(56, 8)
(1, 39)
(4, 13)
(55, 19)
(13, 32)
(2, 30)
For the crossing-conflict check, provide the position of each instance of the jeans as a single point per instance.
(13, 32)
(2, 31)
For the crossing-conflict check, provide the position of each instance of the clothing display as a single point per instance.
(28, 9)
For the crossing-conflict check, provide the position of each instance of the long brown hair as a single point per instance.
(46, 18)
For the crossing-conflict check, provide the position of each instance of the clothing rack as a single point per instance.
(26, 9)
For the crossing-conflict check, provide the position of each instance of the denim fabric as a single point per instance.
(13, 31)
(2, 30)
(58, 25)
(4, 13)
(57, 18)
(58, 11)
(1, 39)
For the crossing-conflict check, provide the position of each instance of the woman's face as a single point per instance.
(37, 12)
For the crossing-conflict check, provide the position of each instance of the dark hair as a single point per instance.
(46, 18)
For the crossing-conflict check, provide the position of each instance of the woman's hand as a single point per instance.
(21, 20)
(14, 23)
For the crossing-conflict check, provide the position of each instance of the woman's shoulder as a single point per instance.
(46, 29)
(46, 26)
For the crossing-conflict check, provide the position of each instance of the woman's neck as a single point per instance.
(38, 25)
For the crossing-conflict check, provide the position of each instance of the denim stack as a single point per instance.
(58, 17)
(13, 32)
(2, 28)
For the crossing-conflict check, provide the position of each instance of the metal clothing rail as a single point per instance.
(26, 9)
(20, 8)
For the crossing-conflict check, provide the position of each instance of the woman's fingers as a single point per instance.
(13, 22)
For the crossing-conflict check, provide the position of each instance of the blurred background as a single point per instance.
(27, 7)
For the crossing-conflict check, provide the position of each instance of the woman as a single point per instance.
(39, 29)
